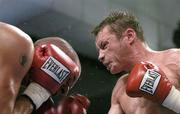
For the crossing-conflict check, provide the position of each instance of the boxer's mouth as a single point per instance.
(107, 65)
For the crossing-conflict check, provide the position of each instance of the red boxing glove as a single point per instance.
(149, 81)
(77, 104)
(51, 68)
(51, 111)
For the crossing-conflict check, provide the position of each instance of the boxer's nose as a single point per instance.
(101, 56)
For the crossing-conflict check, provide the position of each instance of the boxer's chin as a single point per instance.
(114, 71)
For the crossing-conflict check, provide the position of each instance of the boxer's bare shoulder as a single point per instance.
(171, 65)
(16, 54)
(63, 45)
(117, 93)
(119, 88)
(16, 49)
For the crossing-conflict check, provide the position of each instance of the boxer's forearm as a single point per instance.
(172, 101)
(23, 106)
(6, 109)
(7, 101)
(115, 109)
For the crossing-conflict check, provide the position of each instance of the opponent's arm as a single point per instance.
(23, 106)
(16, 54)
(149, 81)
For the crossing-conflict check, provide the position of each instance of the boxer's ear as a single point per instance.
(130, 35)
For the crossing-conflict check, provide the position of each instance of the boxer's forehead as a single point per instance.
(63, 45)
(60, 43)
(104, 35)
(101, 41)
(53, 40)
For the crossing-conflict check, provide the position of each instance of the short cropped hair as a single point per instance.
(119, 21)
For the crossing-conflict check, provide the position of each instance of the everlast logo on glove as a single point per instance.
(150, 81)
(55, 69)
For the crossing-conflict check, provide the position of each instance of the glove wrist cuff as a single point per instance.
(37, 94)
(172, 101)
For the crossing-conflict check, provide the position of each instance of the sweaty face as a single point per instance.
(112, 50)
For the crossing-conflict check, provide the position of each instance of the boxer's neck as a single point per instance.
(142, 52)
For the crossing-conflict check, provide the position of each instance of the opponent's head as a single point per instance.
(115, 36)
(65, 47)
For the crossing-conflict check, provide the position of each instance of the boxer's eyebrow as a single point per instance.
(97, 46)
(23, 60)
(104, 44)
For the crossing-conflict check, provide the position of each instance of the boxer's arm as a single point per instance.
(50, 70)
(23, 105)
(8, 94)
(115, 109)
(149, 81)
(16, 54)
(44, 84)
(8, 91)
(116, 94)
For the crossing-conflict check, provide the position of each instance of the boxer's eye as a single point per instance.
(104, 45)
